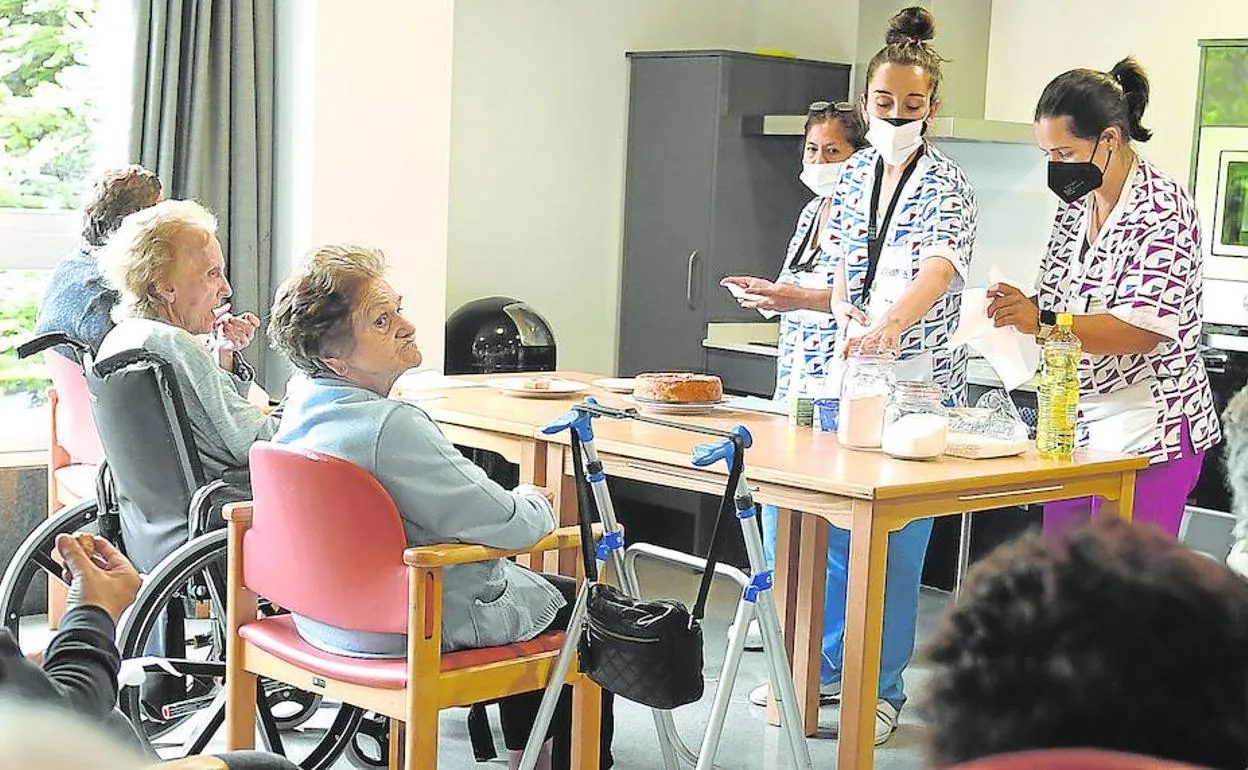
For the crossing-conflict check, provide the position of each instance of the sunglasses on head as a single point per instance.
(816, 108)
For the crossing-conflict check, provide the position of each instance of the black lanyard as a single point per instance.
(808, 253)
(876, 235)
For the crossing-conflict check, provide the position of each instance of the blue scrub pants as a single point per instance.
(907, 549)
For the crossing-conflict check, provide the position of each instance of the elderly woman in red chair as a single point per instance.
(341, 324)
(1114, 637)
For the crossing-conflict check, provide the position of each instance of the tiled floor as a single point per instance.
(748, 741)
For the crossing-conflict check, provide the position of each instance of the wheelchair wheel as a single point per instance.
(33, 562)
(177, 703)
(370, 746)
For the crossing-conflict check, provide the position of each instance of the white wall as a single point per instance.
(1032, 42)
(364, 127)
(538, 145)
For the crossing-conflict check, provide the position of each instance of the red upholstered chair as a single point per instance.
(74, 451)
(1072, 759)
(323, 539)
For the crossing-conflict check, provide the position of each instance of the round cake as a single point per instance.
(678, 388)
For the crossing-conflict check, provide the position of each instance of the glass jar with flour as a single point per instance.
(916, 422)
(865, 389)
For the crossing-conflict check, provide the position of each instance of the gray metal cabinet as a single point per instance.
(703, 198)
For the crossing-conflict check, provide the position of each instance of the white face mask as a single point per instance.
(821, 178)
(894, 142)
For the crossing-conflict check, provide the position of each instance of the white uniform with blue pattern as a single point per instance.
(807, 338)
(935, 217)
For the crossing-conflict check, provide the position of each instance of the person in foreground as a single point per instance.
(1112, 636)
(342, 325)
(78, 678)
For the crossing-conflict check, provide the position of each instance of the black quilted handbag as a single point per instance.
(649, 652)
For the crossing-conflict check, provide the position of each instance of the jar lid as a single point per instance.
(880, 356)
(920, 391)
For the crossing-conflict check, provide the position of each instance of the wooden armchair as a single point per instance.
(323, 539)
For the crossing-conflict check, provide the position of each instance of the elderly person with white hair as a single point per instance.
(166, 263)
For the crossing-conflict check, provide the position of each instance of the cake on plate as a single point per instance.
(678, 388)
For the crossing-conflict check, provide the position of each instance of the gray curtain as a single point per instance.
(203, 121)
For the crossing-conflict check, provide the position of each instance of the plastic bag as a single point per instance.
(992, 428)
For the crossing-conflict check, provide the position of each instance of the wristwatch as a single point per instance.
(1048, 321)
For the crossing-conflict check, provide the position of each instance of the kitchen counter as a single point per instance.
(753, 348)
(978, 371)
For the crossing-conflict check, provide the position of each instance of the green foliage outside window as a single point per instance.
(46, 122)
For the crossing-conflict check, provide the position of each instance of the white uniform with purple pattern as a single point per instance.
(1145, 268)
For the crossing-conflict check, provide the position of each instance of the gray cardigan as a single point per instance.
(442, 498)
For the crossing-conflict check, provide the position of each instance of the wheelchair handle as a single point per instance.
(42, 342)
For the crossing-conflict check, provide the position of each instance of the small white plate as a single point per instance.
(672, 407)
(614, 384)
(514, 386)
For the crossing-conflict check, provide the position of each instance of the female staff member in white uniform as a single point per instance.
(902, 227)
(807, 337)
(1124, 258)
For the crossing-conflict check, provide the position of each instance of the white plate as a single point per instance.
(615, 384)
(669, 407)
(514, 386)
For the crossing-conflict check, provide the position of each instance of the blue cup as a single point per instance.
(829, 412)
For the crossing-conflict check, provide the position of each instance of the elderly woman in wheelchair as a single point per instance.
(342, 325)
(165, 262)
(166, 392)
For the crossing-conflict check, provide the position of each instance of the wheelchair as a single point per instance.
(153, 502)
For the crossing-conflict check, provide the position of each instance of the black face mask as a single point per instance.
(899, 122)
(1072, 181)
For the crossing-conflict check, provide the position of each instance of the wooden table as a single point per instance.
(815, 483)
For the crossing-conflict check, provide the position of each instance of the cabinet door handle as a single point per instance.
(693, 258)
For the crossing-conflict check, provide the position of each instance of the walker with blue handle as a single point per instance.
(756, 599)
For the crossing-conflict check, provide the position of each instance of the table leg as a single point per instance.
(1124, 506)
(788, 547)
(568, 561)
(864, 623)
(533, 471)
(812, 571)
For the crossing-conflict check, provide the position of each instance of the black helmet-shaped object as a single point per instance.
(498, 334)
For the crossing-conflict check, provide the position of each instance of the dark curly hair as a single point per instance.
(115, 195)
(312, 313)
(906, 43)
(1114, 636)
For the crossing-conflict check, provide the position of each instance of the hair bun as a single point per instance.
(1135, 90)
(911, 25)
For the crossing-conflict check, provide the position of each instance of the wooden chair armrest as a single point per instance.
(238, 512)
(462, 553)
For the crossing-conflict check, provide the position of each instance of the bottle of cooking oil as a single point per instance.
(1059, 391)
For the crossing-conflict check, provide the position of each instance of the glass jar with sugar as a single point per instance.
(865, 389)
(916, 422)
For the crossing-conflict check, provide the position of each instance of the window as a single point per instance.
(60, 61)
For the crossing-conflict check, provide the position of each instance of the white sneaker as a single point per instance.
(885, 721)
(828, 694)
(753, 636)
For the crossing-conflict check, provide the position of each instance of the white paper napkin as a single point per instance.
(1013, 355)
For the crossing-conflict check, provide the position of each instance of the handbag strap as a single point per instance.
(587, 512)
(727, 507)
(586, 509)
